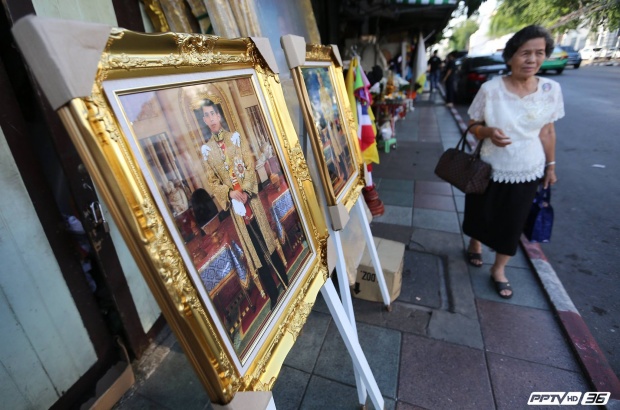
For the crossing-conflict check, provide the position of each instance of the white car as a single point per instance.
(590, 53)
(609, 53)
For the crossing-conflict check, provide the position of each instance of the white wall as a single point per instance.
(44, 347)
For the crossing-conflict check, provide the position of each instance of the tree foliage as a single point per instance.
(461, 33)
(512, 15)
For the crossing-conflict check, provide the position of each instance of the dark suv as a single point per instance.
(475, 71)
(574, 58)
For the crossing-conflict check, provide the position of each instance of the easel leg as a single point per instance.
(347, 303)
(374, 256)
(349, 336)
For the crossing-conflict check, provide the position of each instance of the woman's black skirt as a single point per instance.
(496, 218)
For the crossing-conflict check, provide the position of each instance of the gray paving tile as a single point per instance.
(320, 305)
(404, 317)
(392, 184)
(514, 380)
(437, 220)
(431, 135)
(440, 375)
(455, 328)
(183, 391)
(382, 350)
(450, 247)
(437, 202)
(422, 280)
(527, 290)
(460, 203)
(139, 402)
(398, 233)
(457, 192)
(433, 188)
(398, 198)
(401, 405)
(460, 288)
(416, 160)
(395, 215)
(306, 349)
(289, 389)
(437, 242)
(525, 333)
(340, 396)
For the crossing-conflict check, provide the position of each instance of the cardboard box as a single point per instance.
(391, 255)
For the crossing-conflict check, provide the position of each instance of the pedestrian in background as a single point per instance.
(449, 78)
(517, 112)
(434, 64)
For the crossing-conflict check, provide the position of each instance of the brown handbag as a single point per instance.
(466, 172)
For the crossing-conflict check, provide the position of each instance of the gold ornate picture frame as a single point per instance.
(319, 82)
(191, 146)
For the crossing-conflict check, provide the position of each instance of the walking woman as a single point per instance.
(517, 112)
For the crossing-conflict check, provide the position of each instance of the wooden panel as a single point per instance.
(22, 369)
(45, 338)
(11, 395)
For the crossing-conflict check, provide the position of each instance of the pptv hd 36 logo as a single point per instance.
(571, 398)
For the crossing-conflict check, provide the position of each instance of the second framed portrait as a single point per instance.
(319, 82)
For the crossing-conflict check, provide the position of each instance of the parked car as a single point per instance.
(590, 53)
(608, 53)
(475, 71)
(556, 61)
(574, 58)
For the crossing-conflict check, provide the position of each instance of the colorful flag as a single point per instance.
(366, 130)
(348, 82)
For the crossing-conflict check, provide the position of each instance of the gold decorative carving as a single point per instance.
(318, 52)
(301, 315)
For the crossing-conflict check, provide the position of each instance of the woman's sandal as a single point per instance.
(473, 258)
(500, 286)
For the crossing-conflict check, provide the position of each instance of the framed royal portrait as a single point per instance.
(190, 143)
(318, 76)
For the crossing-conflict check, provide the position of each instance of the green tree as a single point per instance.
(461, 33)
(512, 15)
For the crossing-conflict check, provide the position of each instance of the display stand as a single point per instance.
(363, 375)
(336, 214)
(337, 218)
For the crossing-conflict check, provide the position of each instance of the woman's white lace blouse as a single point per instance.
(521, 119)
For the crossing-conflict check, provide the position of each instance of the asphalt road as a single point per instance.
(585, 246)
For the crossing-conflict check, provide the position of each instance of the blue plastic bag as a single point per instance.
(540, 220)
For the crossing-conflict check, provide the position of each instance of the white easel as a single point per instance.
(337, 217)
(342, 311)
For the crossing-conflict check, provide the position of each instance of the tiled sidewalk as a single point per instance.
(449, 342)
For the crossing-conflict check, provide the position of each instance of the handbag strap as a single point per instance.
(545, 194)
(461, 144)
(542, 196)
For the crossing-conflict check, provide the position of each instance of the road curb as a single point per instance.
(593, 361)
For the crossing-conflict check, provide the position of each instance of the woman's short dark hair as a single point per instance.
(524, 35)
